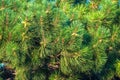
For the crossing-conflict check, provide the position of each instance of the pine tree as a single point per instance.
(60, 39)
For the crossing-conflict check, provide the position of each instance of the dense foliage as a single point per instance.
(60, 39)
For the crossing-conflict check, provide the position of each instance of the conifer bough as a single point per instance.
(60, 39)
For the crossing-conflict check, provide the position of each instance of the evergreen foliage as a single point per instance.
(60, 39)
